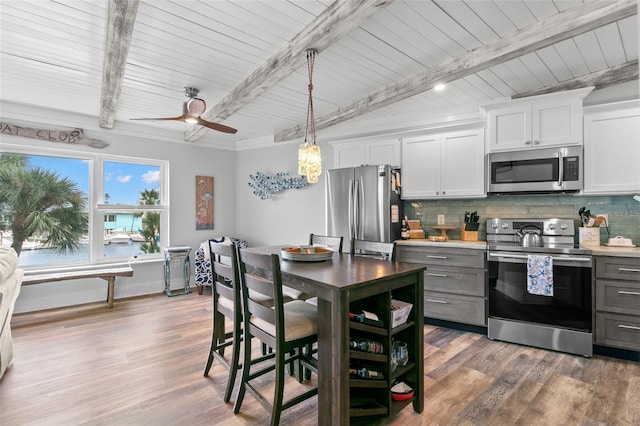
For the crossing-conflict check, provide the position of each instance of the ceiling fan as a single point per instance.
(191, 112)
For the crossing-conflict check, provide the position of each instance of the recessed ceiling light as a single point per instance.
(439, 87)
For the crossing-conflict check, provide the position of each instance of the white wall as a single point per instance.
(290, 216)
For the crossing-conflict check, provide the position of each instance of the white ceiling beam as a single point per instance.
(612, 76)
(336, 21)
(120, 22)
(545, 33)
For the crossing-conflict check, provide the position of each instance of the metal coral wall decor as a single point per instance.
(266, 186)
(73, 136)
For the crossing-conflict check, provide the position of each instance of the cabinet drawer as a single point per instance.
(451, 307)
(470, 258)
(466, 281)
(622, 331)
(619, 268)
(621, 297)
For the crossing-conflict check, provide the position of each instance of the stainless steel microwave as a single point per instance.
(535, 171)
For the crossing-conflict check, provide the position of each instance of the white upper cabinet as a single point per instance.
(354, 154)
(445, 165)
(421, 167)
(538, 121)
(612, 148)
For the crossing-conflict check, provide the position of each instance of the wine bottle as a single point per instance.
(404, 231)
(366, 345)
(365, 373)
(366, 318)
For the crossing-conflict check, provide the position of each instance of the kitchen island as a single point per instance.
(350, 282)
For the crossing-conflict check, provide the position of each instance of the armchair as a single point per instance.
(10, 282)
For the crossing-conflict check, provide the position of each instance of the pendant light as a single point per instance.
(309, 159)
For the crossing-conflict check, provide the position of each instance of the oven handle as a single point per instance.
(524, 257)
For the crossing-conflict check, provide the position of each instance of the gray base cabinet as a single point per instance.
(617, 302)
(454, 282)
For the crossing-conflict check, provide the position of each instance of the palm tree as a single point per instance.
(150, 221)
(40, 202)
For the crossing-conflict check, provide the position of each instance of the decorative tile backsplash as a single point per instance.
(623, 211)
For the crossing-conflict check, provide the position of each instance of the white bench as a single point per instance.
(109, 275)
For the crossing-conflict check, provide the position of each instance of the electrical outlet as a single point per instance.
(440, 219)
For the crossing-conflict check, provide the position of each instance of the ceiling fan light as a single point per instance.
(191, 119)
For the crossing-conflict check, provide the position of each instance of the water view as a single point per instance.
(48, 256)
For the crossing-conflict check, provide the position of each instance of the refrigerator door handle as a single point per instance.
(351, 208)
(356, 208)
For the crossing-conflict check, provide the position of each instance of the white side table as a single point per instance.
(180, 254)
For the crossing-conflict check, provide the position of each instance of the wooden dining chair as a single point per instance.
(227, 304)
(285, 327)
(373, 249)
(225, 290)
(334, 243)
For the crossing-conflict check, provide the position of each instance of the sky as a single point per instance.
(122, 181)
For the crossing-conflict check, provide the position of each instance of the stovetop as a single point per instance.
(558, 235)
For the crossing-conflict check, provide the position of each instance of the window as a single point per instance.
(81, 209)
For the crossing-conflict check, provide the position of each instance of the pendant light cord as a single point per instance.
(311, 125)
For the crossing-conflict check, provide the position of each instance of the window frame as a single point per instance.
(97, 208)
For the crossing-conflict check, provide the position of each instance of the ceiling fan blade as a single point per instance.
(216, 126)
(179, 118)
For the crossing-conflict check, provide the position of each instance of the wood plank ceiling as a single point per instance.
(378, 59)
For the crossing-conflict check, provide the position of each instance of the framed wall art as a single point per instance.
(204, 202)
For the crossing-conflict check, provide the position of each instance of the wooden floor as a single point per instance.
(141, 363)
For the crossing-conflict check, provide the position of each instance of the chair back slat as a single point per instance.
(259, 285)
(261, 311)
(225, 290)
(334, 243)
(375, 249)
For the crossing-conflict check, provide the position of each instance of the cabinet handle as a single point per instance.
(631, 327)
(634, 293)
(536, 142)
(438, 301)
(432, 256)
(527, 142)
(628, 270)
(444, 192)
(442, 275)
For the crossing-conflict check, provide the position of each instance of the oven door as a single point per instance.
(509, 297)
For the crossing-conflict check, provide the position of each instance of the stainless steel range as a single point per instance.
(539, 285)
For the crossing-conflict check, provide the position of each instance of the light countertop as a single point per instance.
(614, 251)
(480, 245)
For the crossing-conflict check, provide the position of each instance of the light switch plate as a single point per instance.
(440, 219)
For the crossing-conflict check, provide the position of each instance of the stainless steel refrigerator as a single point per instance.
(364, 203)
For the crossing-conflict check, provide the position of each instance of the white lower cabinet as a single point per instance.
(444, 165)
(612, 149)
